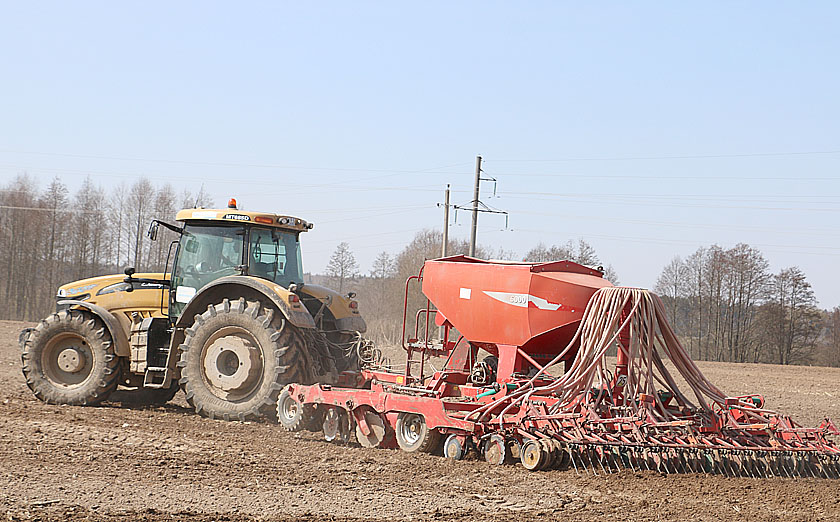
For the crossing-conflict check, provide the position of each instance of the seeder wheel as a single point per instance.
(495, 450)
(290, 412)
(532, 455)
(453, 448)
(376, 428)
(413, 434)
(337, 425)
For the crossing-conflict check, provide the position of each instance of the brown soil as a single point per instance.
(123, 462)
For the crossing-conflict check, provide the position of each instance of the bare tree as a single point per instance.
(140, 197)
(164, 209)
(790, 318)
(672, 285)
(342, 266)
(833, 337)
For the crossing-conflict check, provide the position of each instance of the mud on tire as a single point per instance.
(69, 358)
(236, 358)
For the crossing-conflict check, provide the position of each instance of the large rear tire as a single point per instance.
(69, 359)
(236, 358)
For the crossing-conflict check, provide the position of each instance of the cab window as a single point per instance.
(275, 254)
(205, 253)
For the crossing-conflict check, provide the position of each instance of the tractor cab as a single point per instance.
(220, 243)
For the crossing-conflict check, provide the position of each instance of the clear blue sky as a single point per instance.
(647, 128)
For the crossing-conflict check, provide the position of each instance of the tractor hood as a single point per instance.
(86, 289)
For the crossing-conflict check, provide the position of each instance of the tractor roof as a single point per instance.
(234, 215)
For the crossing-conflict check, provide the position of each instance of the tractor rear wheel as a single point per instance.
(69, 359)
(236, 358)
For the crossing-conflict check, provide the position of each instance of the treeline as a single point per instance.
(726, 305)
(50, 236)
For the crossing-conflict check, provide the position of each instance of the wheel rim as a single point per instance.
(494, 450)
(232, 363)
(531, 454)
(289, 408)
(453, 448)
(331, 425)
(67, 360)
(411, 429)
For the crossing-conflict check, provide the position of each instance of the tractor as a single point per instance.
(231, 323)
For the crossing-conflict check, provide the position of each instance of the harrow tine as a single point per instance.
(788, 463)
(583, 459)
(650, 460)
(735, 463)
(831, 465)
(765, 469)
(681, 454)
(781, 469)
(747, 463)
(826, 469)
(572, 458)
(630, 458)
(741, 462)
(757, 461)
(615, 459)
(674, 459)
(719, 463)
(800, 466)
(690, 460)
(768, 467)
(589, 452)
(807, 462)
(601, 457)
(733, 466)
(646, 458)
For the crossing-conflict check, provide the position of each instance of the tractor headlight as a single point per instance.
(116, 287)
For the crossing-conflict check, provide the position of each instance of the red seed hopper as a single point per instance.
(503, 307)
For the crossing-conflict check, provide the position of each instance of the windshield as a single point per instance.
(205, 254)
(275, 254)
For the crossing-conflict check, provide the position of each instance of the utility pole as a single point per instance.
(474, 228)
(445, 223)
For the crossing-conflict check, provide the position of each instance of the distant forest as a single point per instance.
(724, 303)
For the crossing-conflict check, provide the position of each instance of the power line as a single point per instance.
(664, 157)
(641, 200)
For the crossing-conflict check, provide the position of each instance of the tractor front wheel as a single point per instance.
(69, 359)
(236, 358)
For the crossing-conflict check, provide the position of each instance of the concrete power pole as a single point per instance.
(445, 245)
(474, 228)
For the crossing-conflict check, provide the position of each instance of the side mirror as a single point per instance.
(191, 245)
(153, 230)
(129, 272)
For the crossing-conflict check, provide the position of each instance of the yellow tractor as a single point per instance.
(232, 323)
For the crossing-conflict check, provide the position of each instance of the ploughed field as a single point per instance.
(124, 462)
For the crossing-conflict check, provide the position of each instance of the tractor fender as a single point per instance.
(231, 287)
(121, 346)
